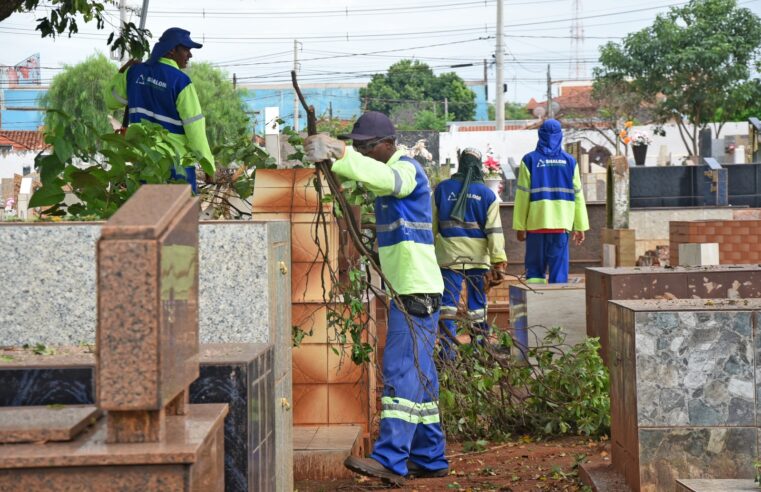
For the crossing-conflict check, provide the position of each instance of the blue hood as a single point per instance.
(550, 138)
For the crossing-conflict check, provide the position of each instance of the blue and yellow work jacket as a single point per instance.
(549, 197)
(162, 93)
(403, 219)
(478, 242)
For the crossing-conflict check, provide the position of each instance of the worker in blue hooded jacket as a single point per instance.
(469, 243)
(159, 91)
(549, 207)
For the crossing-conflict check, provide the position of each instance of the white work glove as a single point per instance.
(321, 147)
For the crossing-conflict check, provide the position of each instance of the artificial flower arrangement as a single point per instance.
(639, 138)
(490, 168)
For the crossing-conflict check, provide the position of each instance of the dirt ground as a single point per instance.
(520, 465)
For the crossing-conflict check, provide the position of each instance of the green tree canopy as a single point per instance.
(688, 64)
(222, 104)
(513, 111)
(78, 91)
(409, 82)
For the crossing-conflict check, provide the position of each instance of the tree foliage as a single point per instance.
(409, 82)
(222, 104)
(688, 64)
(62, 18)
(513, 111)
(79, 90)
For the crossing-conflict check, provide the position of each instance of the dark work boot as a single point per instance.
(371, 468)
(416, 471)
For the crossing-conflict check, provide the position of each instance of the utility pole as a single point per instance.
(143, 14)
(446, 109)
(499, 101)
(486, 82)
(295, 97)
(550, 113)
(122, 22)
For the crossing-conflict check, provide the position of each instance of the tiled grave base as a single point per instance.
(683, 395)
(319, 452)
(712, 282)
(185, 461)
(708, 485)
(739, 240)
(237, 374)
(328, 388)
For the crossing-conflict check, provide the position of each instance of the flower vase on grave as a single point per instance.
(640, 152)
(493, 184)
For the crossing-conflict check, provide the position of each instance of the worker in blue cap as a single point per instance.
(158, 91)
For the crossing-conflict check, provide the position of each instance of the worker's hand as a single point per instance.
(495, 275)
(578, 237)
(322, 147)
(499, 267)
(521, 235)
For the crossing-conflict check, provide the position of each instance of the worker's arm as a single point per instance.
(495, 237)
(194, 124)
(580, 219)
(116, 91)
(397, 178)
(522, 198)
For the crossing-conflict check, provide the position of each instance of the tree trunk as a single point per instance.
(7, 7)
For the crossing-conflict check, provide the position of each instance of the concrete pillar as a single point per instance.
(617, 208)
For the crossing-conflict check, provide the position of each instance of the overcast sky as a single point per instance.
(344, 40)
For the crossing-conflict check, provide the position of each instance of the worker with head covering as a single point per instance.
(469, 242)
(158, 91)
(549, 206)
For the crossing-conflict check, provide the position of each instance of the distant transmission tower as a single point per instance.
(577, 69)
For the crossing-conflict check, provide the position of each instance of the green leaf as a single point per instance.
(47, 195)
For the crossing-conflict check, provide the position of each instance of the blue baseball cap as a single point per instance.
(372, 124)
(172, 37)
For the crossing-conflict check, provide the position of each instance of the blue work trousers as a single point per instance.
(476, 305)
(410, 426)
(546, 251)
(190, 177)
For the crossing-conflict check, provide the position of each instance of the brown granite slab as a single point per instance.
(185, 437)
(148, 213)
(41, 424)
(148, 300)
(190, 460)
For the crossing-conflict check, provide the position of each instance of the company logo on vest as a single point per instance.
(551, 162)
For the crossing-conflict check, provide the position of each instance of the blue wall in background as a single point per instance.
(15, 118)
(346, 103)
(345, 100)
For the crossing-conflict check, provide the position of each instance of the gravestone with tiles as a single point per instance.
(684, 398)
(147, 355)
(708, 282)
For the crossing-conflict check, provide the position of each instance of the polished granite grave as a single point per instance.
(235, 374)
(683, 391)
(150, 438)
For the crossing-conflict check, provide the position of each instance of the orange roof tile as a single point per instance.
(23, 139)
